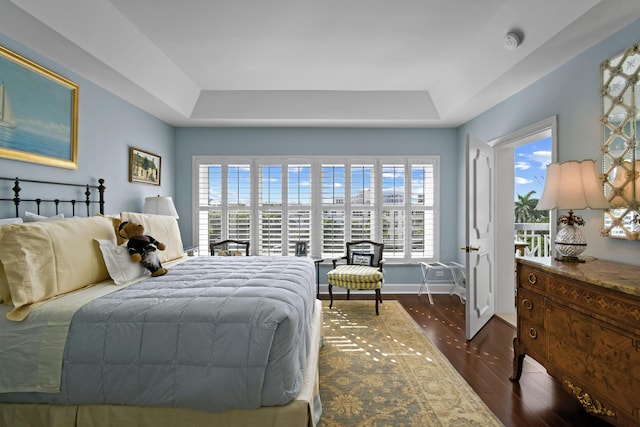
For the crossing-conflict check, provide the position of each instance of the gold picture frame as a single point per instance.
(38, 113)
(144, 167)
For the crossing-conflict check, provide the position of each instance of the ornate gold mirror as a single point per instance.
(620, 152)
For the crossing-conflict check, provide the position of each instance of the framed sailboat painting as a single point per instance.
(38, 113)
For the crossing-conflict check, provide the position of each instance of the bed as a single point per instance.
(91, 340)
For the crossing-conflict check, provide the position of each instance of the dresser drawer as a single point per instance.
(601, 361)
(612, 307)
(531, 330)
(532, 279)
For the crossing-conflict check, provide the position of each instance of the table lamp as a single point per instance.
(571, 185)
(160, 205)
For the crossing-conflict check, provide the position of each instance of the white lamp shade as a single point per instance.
(160, 206)
(572, 185)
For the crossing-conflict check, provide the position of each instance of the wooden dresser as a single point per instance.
(582, 323)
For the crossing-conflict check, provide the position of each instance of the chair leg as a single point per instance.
(348, 293)
(330, 296)
(378, 298)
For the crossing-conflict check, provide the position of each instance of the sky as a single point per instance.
(531, 162)
(333, 186)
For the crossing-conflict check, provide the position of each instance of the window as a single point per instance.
(298, 206)
(393, 210)
(362, 200)
(324, 202)
(333, 210)
(270, 210)
(238, 206)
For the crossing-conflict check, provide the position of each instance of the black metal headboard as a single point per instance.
(88, 193)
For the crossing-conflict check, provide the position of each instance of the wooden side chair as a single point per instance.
(363, 269)
(230, 248)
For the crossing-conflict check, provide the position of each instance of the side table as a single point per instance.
(192, 251)
(317, 262)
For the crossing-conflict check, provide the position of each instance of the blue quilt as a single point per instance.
(215, 333)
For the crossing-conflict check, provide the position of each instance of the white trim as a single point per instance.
(505, 206)
(542, 129)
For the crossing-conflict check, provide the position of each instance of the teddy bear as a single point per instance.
(142, 248)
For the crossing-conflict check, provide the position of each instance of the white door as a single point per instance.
(479, 236)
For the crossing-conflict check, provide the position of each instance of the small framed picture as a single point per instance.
(144, 167)
(301, 248)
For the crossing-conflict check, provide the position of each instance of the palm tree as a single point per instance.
(525, 209)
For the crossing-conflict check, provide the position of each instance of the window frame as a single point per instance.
(317, 205)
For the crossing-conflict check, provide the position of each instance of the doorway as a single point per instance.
(505, 150)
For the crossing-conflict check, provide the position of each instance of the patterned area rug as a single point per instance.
(383, 371)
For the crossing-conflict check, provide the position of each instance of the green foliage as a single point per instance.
(526, 210)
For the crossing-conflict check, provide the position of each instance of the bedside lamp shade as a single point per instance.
(160, 206)
(572, 185)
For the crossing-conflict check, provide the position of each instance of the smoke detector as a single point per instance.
(511, 41)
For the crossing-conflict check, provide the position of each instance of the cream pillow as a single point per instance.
(42, 260)
(5, 294)
(162, 228)
(121, 269)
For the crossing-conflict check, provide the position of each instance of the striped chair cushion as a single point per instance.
(355, 277)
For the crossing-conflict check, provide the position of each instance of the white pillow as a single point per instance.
(34, 217)
(5, 221)
(122, 270)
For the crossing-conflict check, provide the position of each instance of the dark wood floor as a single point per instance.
(486, 364)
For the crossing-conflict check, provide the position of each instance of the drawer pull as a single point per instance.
(533, 333)
(527, 304)
(532, 278)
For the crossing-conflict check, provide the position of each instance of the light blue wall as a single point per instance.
(107, 126)
(324, 142)
(572, 93)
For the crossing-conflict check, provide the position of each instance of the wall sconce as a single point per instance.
(571, 185)
(160, 206)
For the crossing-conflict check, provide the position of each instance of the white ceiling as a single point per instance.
(378, 63)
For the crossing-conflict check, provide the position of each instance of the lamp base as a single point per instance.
(570, 243)
(573, 259)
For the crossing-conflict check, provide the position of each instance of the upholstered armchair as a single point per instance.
(229, 248)
(363, 269)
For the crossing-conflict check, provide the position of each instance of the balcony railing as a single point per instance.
(536, 236)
